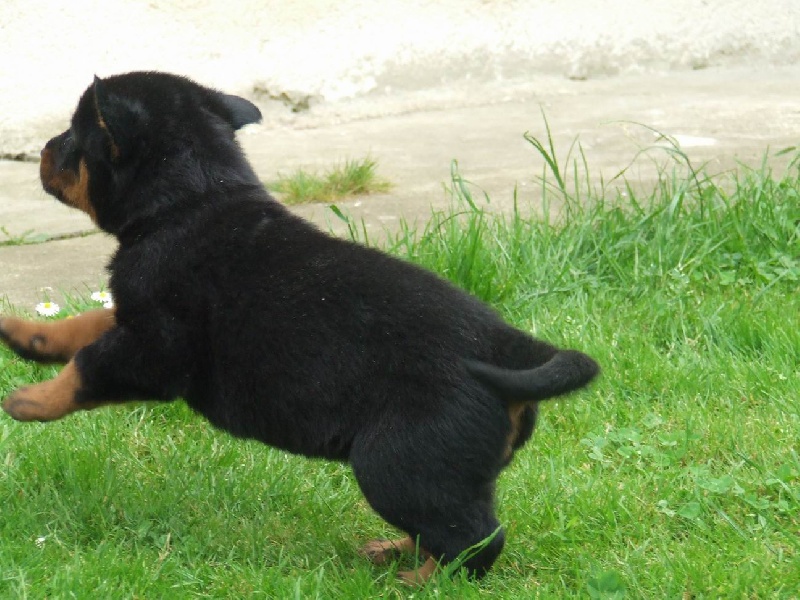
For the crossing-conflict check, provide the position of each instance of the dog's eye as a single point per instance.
(68, 142)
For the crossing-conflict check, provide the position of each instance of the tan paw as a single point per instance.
(49, 400)
(56, 341)
(419, 576)
(380, 552)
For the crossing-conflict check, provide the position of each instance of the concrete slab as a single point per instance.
(32, 273)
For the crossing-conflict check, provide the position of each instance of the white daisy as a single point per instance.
(102, 297)
(48, 309)
(108, 304)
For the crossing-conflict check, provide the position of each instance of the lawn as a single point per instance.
(676, 475)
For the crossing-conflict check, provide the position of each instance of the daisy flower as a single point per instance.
(48, 309)
(102, 297)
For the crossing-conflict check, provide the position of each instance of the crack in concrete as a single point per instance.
(24, 240)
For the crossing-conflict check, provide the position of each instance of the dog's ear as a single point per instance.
(237, 111)
(118, 117)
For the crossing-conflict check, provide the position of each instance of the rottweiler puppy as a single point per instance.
(278, 332)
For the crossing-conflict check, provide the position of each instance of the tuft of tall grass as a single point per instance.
(735, 236)
(353, 178)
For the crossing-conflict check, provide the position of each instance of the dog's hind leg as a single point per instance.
(467, 532)
(56, 341)
(434, 493)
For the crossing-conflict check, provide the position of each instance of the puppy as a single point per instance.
(278, 332)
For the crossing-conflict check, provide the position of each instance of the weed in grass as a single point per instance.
(677, 475)
(353, 178)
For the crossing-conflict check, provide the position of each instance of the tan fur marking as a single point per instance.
(104, 127)
(77, 191)
(515, 411)
(380, 552)
(419, 576)
(56, 341)
(46, 167)
(102, 123)
(71, 187)
(49, 400)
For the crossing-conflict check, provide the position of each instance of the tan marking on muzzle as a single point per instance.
(71, 187)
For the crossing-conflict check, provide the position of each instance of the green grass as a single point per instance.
(677, 475)
(353, 178)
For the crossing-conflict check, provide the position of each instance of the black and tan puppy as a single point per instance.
(275, 331)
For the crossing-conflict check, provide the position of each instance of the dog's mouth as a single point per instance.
(69, 186)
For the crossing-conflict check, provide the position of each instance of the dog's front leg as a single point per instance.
(119, 366)
(56, 341)
(50, 399)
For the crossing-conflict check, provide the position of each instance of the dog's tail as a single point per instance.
(566, 371)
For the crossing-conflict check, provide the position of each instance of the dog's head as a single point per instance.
(140, 141)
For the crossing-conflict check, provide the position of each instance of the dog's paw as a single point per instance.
(29, 339)
(418, 577)
(49, 400)
(380, 552)
(22, 408)
(27, 405)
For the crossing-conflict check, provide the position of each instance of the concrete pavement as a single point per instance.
(324, 51)
(721, 116)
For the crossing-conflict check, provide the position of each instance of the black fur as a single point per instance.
(278, 332)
